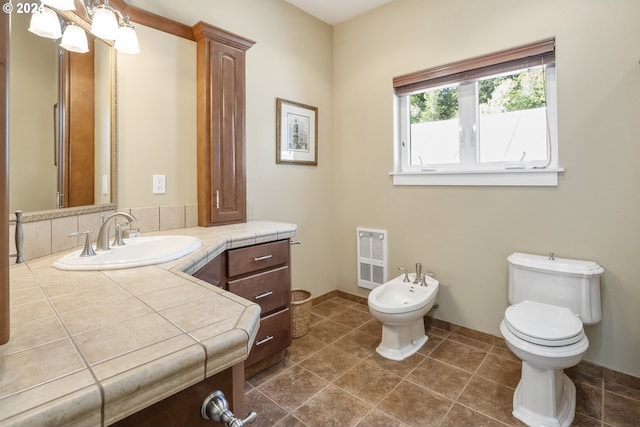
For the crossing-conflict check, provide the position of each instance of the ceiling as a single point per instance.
(336, 11)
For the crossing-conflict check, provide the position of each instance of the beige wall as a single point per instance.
(292, 59)
(464, 234)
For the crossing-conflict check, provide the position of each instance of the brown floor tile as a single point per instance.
(358, 343)
(459, 355)
(330, 362)
(351, 317)
(268, 411)
(439, 377)
(291, 421)
(327, 308)
(400, 368)
(343, 301)
(588, 400)
(620, 411)
(332, 407)
(293, 387)
(368, 382)
(373, 328)
(432, 342)
(303, 347)
(463, 416)
(503, 371)
(631, 393)
(480, 345)
(583, 421)
(328, 331)
(270, 372)
(377, 418)
(491, 399)
(434, 330)
(415, 405)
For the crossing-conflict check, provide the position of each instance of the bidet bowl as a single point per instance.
(137, 252)
(396, 296)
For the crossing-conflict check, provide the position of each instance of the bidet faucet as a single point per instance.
(418, 273)
(103, 235)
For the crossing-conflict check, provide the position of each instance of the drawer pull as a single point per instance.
(266, 294)
(267, 339)
(262, 258)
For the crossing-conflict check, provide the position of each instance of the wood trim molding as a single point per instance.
(152, 20)
(4, 178)
(202, 30)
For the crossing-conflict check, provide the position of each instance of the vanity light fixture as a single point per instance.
(45, 24)
(74, 39)
(110, 24)
(107, 23)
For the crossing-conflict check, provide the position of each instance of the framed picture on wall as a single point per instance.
(296, 133)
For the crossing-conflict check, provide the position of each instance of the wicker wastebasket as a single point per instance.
(300, 312)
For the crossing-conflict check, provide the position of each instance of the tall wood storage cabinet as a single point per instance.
(221, 125)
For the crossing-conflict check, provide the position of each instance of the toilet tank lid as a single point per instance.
(557, 265)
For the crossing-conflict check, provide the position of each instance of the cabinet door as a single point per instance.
(221, 106)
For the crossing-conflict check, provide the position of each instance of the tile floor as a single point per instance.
(333, 377)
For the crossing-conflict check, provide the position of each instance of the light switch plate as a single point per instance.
(159, 184)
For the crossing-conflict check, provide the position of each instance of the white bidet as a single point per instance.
(400, 307)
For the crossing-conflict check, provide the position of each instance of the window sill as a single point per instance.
(511, 177)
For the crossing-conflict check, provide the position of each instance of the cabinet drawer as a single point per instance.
(258, 257)
(270, 289)
(274, 335)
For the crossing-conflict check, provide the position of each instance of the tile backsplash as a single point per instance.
(48, 236)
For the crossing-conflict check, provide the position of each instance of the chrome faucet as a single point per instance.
(103, 235)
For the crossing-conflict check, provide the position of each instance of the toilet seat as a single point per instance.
(544, 324)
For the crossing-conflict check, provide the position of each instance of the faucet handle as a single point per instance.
(424, 278)
(88, 248)
(406, 274)
(117, 240)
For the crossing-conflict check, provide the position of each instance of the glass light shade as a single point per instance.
(60, 4)
(105, 23)
(46, 24)
(127, 41)
(74, 39)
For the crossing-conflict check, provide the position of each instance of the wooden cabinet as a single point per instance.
(183, 408)
(261, 274)
(221, 108)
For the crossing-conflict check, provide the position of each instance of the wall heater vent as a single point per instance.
(372, 257)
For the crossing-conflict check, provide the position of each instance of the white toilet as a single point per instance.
(551, 299)
(401, 306)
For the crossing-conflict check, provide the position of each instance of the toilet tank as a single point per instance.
(569, 283)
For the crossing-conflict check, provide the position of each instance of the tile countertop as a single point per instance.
(128, 338)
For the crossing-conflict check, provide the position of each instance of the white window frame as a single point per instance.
(469, 172)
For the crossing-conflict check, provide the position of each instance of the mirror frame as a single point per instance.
(83, 22)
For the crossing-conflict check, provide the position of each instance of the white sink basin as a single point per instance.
(137, 252)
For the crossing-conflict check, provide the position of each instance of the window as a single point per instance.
(489, 120)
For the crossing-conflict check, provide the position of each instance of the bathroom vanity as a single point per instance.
(261, 274)
(124, 347)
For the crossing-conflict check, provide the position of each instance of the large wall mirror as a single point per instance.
(62, 121)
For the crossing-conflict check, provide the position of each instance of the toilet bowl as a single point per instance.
(548, 339)
(400, 307)
(551, 300)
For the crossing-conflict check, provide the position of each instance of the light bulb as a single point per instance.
(46, 24)
(127, 41)
(74, 39)
(105, 23)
